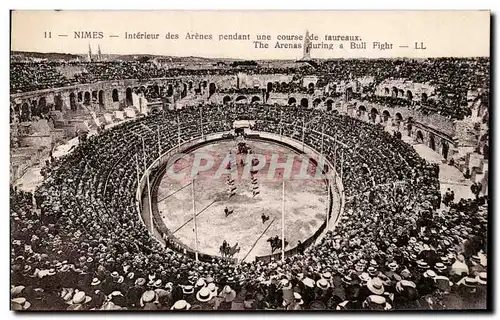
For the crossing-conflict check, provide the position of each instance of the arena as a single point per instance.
(397, 221)
(306, 205)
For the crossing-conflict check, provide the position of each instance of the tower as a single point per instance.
(307, 47)
(99, 57)
(89, 57)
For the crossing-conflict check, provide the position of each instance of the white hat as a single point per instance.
(322, 284)
(181, 305)
(204, 294)
(376, 286)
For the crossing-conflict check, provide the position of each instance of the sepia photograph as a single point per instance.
(215, 161)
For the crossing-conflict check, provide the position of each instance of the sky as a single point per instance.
(442, 33)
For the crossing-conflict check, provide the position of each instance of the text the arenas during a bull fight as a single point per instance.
(311, 185)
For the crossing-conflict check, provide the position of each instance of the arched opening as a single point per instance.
(156, 90)
(269, 87)
(42, 105)
(190, 85)
(170, 90)
(335, 111)
(211, 88)
(80, 96)
(362, 110)
(420, 137)
(387, 91)
(226, 100)
(255, 99)
(310, 86)
(94, 96)
(128, 97)
(329, 105)
(292, 101)
(394, 92)
(398, 119)
(432, 141)
(304, 103)
(35, 112)
(241, 99)
(348, 93)
(409, 95)
(424, 97)
(401, 93)
(184, 90)
(334, 88)
(101, 97)
(25, 112)
(316, 102)
(204, 84)
(373, 114)
(58, 102)
(72, 101)
(114, 95)
(386, 115)
(445, 150)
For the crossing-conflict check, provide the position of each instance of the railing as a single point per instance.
(314, 155)
(161, 162)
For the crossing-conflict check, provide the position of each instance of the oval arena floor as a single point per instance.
(306, 202)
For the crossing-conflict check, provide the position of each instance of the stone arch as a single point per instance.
(25, 112)
(316, 102)
(94, 96)
(80, 96)
(190, 85)
(211, 88)
(424, 97)
(72, 101)
(35, 111)
(401, 93)
(395, 92)
(184, 90)
(255, 99)
(387, 91)
(128, 97)
(398, 118)
(170, 90)
(362, 109)
(335, 111)
(304, 102)
(409, 95)
(432, 141)
(348, 93)
(334, 87)
(386, 115)
(42, 105)
(241, 99)
(310, 86)
(292, 101)
(329, 105)
(445, 148)
(115, 96)
(58, 102)
(100, 97)
(226, 100)
(269, 87)
(204, 84)
(373, 114)
(420, 137)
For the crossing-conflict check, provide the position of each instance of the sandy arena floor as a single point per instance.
(305, 203)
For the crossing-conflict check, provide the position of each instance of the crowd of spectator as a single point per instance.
(78, 242)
